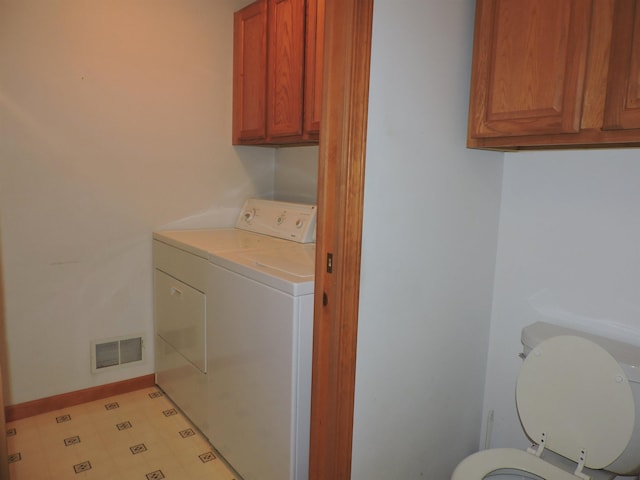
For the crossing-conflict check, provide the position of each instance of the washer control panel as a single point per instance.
(290, 221)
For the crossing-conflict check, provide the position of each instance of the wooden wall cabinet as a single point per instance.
(622, 108)
(277, 72)
(549, 73)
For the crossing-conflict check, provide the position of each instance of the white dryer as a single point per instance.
(180, 261)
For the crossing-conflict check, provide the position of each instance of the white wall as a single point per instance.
(115, 120)
(569, 253)
(296, 176)
(430, 235)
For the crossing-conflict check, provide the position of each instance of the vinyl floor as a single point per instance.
(134, 436)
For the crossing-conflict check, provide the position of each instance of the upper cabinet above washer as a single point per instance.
(549, 73)
(622, 109)
(277, 72)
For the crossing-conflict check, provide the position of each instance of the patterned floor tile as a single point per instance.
(140, 435)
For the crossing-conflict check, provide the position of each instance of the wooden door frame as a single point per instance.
(340, 204)
(4, 457)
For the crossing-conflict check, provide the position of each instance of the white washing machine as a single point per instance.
(234, 320)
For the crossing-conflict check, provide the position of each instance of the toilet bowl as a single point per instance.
(508, 464)
(522, 465)
(577, 397)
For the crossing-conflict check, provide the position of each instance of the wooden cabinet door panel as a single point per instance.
(250, 73)
(622, 110)
(286, 68)
(529, 64)
(314, 68)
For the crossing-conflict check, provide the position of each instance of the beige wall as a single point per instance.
(428, 249)
(115, 120)
(296, 176)
(568, 254)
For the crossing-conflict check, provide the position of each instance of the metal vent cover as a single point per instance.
(116, 352)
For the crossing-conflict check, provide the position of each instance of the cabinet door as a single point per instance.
(286, 68)
(314, 68)
(250, 73)
(528, 68)
(622, 110)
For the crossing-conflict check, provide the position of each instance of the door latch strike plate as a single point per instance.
(329, 262)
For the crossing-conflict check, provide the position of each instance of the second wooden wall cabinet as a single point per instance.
(555, 73)
(277, 72)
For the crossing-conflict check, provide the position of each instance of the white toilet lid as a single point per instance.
(576, 393)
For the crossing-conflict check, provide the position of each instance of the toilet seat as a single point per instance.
(573, 396)
(573, 399)
(481, 464)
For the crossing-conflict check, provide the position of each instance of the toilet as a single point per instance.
(578, 399)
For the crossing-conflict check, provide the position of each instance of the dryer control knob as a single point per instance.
(299, 223)
(249, 214)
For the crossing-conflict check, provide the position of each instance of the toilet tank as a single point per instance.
(627, 355)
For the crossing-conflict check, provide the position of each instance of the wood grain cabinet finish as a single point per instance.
(314, 61)
(277, 72)
(622, 110)
(250, 73)
(550, 73)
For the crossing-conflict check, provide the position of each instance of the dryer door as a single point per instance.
(180, 312)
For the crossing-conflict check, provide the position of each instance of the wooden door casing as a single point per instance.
(340, 202)
(4, 458)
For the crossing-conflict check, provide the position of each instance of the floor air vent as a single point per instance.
(115, 352)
